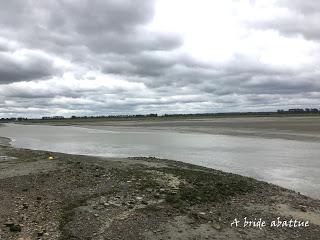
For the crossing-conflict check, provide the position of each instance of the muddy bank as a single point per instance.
(305, 128)
(291, 128)
(59, 196)
(4, 141)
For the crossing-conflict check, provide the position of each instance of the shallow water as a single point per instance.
(291, 164)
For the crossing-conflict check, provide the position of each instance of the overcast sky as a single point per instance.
(101, 57)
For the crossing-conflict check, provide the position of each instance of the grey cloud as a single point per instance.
(307, 27)
(301, 6)
(110, 37)
(302, 19)
(80, 31)
(101, 26)
(143, 64)
(29, 67)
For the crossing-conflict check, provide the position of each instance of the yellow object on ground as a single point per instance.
(50, 158)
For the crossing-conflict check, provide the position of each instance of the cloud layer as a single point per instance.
(167, 56)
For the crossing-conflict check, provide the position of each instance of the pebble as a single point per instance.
(303, 208)
(216, 226)
(9, 223)
(15, 228)
(25, 206)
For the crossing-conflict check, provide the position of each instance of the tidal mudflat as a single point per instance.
(293, 164)
(51, 195)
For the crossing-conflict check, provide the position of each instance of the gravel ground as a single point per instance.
(58, 196)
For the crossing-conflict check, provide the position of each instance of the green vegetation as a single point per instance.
(204, 187)
(196, 186)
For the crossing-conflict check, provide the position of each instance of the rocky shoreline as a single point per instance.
(59, 196)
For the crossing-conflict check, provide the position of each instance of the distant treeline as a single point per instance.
(299, 110)
(307, 111)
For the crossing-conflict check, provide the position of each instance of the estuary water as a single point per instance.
(288, 163)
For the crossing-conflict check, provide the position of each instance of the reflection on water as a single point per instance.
(291, 164)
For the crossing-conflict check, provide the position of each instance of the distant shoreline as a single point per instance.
(167, 117)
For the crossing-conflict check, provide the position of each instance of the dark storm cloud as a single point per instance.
(79, 31)
(99, 26)
(117, 64)
(29, 66)
(145, 64)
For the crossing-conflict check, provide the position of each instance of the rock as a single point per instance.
(157, 195)
(15, 228)
(303, 208)
(201, 215)
(9, 224)
(216, 226)
(144, 202)
(242, 232)
(114, 204)
(40, 234)
(139, 198)
(100, 207)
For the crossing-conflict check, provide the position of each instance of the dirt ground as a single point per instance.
(58, 196)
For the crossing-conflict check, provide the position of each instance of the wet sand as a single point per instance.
(305, 128)
(4, 141)
(292, 128)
